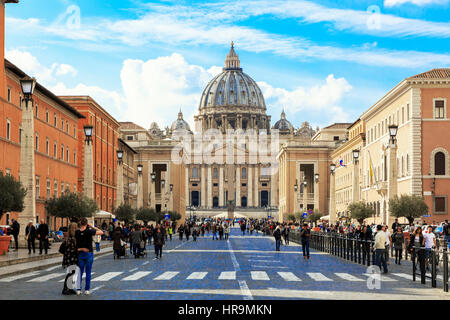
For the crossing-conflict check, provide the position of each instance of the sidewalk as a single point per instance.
(15, 262)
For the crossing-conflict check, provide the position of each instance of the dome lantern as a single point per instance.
(232, 61)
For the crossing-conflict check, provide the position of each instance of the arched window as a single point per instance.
(439, 163)
(244, 173)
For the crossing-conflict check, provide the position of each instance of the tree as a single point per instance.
(158, 216)
(313, 217)
(291, 217)
(174, 216)
(11, 194)
(360, 211)
(125, 213)
(71, 205)
(145, 214)
(408, 206)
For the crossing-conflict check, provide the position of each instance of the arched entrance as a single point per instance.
(264, 198)
(195, 198)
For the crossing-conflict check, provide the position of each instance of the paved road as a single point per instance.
(245, 267)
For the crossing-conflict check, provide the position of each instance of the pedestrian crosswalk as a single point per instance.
(253, 275)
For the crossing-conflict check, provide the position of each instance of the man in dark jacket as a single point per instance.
(136, 238)
(277, 236)
(304, 236)
(30, 234)
(15, 229)
(42, 234)
(158, 239)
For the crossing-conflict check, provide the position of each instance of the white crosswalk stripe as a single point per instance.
(46, 277)
(136, 276)
(107, 276)
(167, 275)
(347, 276)
(289, 276)
(64, 279)
(259, 275)
(317, 276)
(20, 276)
(404, 275)
(383, 277)
(197, 275)
(227, 275)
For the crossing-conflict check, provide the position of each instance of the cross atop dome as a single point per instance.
(232, 61)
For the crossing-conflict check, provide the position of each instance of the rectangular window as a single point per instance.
(8, 130)
(55, 189)
(67, 154)
(36, 110)
(54, 150)
(407, 112)
(62, 189)
(55, 121)
(74, 157)
(439, 110)
(62, 152)
(38, 187)
(20, 135)
(47, 147)
(9, 94)
(440, 204)
(74, 188)
(48, 189)
(8, 172)
(37, 142)
(46, 116)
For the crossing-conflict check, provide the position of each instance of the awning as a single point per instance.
(104, 215)
(325, 217)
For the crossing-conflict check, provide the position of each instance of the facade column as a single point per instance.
(209, 191)
(203, 186)
(163, 192)
(238, 186)
(273, 189)
(221, 193)
(332, 210)
(392, 183)
(27, 170)
(316, 188)
(186, 183)
(120, 191)
(305, 198)
(250, 186)
(256, 186)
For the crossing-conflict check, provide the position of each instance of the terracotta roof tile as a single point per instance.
(441, 73)
(130, 125)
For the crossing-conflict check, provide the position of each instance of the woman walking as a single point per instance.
(417, 248)
(69, 250)
(118, 243)
(83, 237)
(398, 239)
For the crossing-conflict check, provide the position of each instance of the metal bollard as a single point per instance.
(445, 261)
(413, 259)
(433, 268)
(359, 251)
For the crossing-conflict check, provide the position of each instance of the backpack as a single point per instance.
(62, 248)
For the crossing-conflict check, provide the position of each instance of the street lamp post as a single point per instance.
(88, 175)
(140, 196)
(305, 196)
(332, 211)
(392, 183)
(27, 165)
(120, 191)
(355, 175)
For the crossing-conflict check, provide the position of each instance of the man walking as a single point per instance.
(277, 236)
(42, 233)
(30, 235)
(305, 234)
(15, 229)
(380, 248)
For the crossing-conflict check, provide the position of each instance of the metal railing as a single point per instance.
(360, 251)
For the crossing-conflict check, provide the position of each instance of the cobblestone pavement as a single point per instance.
(244, 267)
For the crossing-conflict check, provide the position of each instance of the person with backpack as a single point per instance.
(305, 234)
(277, 236)
(70, 256)
(84, 237)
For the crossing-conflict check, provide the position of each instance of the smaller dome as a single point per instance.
(283, 124)
(180, 124)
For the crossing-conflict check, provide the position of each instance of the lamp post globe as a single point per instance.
(316, 177)
(140, 167)
(27, 85)
(88, 132)
(393, 131)
(120, 155)
(332, 168)
(355, 154)
(153, 176)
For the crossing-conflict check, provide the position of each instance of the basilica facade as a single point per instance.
(208, 185)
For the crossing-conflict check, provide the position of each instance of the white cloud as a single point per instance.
(214, 24)
(320, 99)
(112, 101)
(30, 64)
(392, 3)
(156, 89)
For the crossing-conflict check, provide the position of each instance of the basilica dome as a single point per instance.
(283, 124)
(180, 123)
(232, 87)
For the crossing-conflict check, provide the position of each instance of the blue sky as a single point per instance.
(322, 61)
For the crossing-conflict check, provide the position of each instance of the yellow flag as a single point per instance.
(370, 169)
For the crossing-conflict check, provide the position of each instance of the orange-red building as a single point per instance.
(105, 140)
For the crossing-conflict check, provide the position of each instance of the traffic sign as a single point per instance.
(305, 215)
(167, 216)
